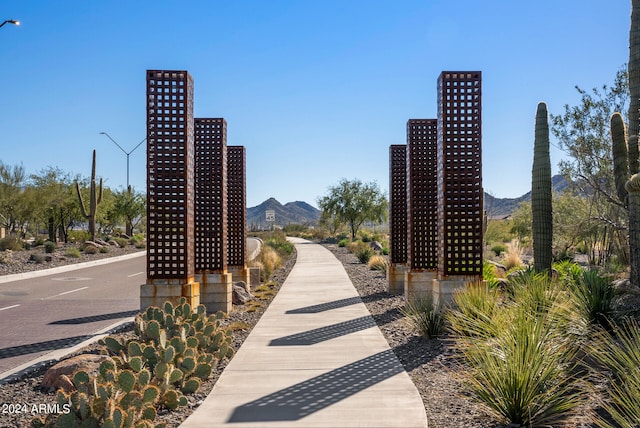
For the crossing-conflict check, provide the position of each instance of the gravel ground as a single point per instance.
(430, 363)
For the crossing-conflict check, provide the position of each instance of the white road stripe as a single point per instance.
(134, 274)
(66, 292)
(9, 307)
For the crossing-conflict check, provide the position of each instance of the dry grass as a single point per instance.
(513, 257)
(378, 262)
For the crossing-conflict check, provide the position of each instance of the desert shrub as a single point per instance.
(6, 257)
(104, 249)
(49, 247)
(73, 252)
(270, 260)
(39, 240)
(280, 244)
(475, 310)
(619, 352)
(343, 242)
(499, 249)
(513, 256)
(12, 243)
(377, 262)
(364, 254)
(90, 249)
(136, 239)
(122, 242)
(365, 236)
(426, 317)
(78, 236)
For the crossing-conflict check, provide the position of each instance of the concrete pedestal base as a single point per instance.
(158, 291)
(216, 291)
(418, 285)
(395, 278)
(443, 289)
(240, 273)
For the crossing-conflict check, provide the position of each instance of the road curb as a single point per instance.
(67, 268)
(59, 354)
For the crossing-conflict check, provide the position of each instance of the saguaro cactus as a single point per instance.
(94, 200)
(542, 215)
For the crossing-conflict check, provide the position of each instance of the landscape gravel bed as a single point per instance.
(431, 363)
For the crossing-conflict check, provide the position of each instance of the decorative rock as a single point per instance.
(376, 246)
(624, 286)
(92, 243)
(101, 242)
(114, 243)
(59, 376)
(240, 294)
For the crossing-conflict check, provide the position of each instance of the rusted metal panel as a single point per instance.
(398, 202)
(170, 167)
(237, 205)
(460, 173)
(210, 195)
(422, 197)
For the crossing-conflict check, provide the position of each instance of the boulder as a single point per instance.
(93, 244)
(60, 375)
(241, 294)
(376, 246)
(114, 243)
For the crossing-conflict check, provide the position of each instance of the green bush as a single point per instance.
(104, 249)
(73, 252)
(122, 242)
(78, 236)
(364, 254)
(343, 242)
(90, 249)
(425, 317)
(12, 243)
(49, 247)
(499, 249)
(38, 241)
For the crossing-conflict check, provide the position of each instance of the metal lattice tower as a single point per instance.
(170, 172)
(422, 196)
(210, 195)
(460, 191)
(237, 205)
(398, 202)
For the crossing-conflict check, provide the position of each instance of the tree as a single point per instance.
(353, 203)
(12, 183)
(583, 133)
(129, 207)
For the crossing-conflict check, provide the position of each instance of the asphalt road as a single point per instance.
(46, 313)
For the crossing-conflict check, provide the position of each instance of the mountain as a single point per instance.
(290, 213)
(502, 207)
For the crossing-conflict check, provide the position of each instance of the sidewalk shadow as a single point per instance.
(322, 334)
(326, 306)
(95, 318)
(49, 345)
(301, 400)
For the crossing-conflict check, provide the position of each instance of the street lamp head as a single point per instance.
(10, 21)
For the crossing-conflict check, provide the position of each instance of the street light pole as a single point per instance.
(10, 21)
(125, 152)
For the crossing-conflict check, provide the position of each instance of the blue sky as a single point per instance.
(315, 90)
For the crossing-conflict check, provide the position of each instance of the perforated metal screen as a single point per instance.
(170, 154)
(237, 205)
(460, 172)
(210, 195)
(422, 195)
(398, 202)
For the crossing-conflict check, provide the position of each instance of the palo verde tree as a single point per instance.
(354, 202)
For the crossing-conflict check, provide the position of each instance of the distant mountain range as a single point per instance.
(502, 207)
(290, 213)
(302, 213)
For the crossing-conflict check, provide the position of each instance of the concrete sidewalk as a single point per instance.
(316, 358)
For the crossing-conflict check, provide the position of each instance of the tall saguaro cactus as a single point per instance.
(542, 226)
(95, 197)
(625, 150)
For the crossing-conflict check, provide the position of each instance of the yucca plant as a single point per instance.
(425, 316)
(619, 352)
(594, 296)
(474, 311)
(523, 376)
